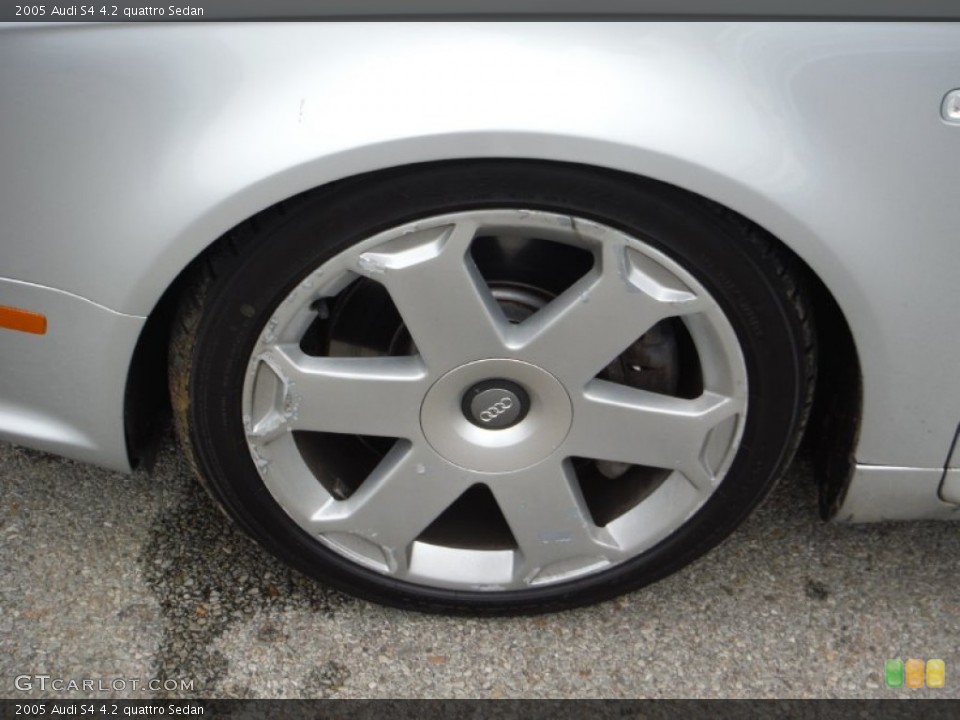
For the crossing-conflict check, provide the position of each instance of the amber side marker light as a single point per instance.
(23, 320)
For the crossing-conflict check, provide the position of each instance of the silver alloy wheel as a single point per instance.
(439, 451)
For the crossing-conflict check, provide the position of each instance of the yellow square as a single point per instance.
(936, 673)
(914, 673)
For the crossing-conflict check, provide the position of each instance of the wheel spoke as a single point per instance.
(406, 492)
(377, 396)
(443, 300)
(591, 323)
(551, 522)
(623, 424)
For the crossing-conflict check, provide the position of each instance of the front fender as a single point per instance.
(137, 146)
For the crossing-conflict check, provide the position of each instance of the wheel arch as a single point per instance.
(831, 433)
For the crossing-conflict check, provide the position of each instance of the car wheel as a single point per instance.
(492, 386)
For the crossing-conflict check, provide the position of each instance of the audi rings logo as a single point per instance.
(497, 409)
(494, 404)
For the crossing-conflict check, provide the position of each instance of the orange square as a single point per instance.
(914, 673)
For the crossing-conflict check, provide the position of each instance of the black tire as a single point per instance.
(244, 276)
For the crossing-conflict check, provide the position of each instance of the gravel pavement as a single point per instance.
(105, 576)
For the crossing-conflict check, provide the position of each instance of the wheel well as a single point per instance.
(834, 425)
(830, 437)
(146, 403)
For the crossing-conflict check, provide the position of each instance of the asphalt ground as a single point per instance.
(105, 576)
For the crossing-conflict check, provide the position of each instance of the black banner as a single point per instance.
(259, 10)
(489, 709)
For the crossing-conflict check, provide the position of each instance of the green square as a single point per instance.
(894, 673)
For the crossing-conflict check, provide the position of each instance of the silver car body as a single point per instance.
(125, 151)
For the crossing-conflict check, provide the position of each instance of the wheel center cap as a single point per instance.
(495, 404)
(512, 416)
